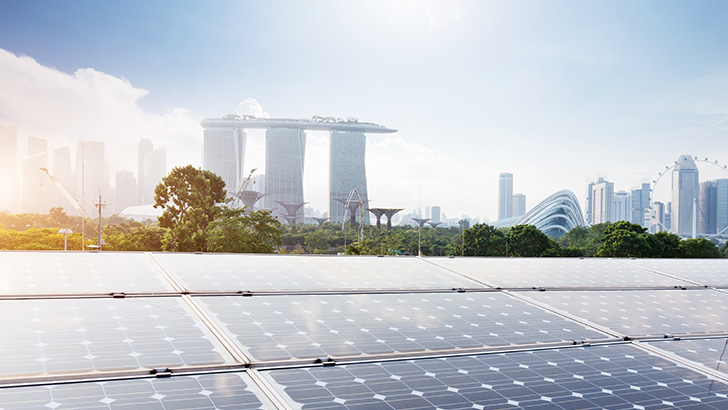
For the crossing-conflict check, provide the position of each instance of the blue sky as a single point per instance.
(556, 92)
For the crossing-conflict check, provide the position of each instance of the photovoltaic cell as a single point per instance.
(311, 326)
(217, 272)
(616, 376)
(555, 272)
(712, 352)
(211, 391)
(707, 272)
(54, 336)
(644, 312)
(33, 273)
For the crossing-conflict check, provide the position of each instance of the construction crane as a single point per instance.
(72, 199)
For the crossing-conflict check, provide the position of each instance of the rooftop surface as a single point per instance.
(212, 331)
(316, 123)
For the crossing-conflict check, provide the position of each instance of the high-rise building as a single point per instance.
(707, 207)
(685, 178)
(436, 214)
(9, 169)
(640, 204)
(155, 168)
(35, 198)
(721, 212)
(519, 205)
(657, 217)
(602, 195)
(622, 209)
(668, 217)
(505, 195)
(145, 147)
(125, 190)
(346, 172)
(284, 157)
(63, 172)
(223, 154)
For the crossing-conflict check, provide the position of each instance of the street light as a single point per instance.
(65, 232)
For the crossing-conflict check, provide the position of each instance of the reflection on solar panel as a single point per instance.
(708, 272)
(556, 272)
(216, 272)
(616, 376)
(282, 327)
(185, 331)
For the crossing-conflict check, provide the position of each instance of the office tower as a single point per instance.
(63, 172)
(347, 172)
(519, 205)
(505, 195)
(721, 212)
(37, 194)
(685, 179)
(91, 176)
(707, 207)
(155, 168)
(622, 208)
(428, 212)
(640, 204)
(436, 214)
(9, 199)
(657, 217)
(145, 147)
(223, 153)
(668, 217)
(284, 156)
(602, 195)
(125, 191)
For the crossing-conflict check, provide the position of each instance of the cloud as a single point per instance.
(250, 106)
(91, 105)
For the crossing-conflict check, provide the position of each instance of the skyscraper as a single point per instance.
(602, 194)
(347, 172)
(63, 172)
(721, 217)
(436, 214)
(145, 147)
(707, 207)
(284, 156)
(91, 175)
(685, 179)
(125, 190)
(223, 154)
(657, 217)
(519, 205)
(155, 168)
(35, 198)
(9, 169)
(622, 209)
(640, 204)
(505, 195)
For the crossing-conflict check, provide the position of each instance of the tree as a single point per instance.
(191, 198)
(484, 240)
(317, 241)
(238, 232)
(529, 241)
(670, 244)
(699, 248)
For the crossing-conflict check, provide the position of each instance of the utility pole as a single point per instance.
(100, 206)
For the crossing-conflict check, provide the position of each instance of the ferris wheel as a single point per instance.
(715, 164)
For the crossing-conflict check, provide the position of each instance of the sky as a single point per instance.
(556, 92)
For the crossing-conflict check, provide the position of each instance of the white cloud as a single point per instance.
(91, 105)
(250, 106)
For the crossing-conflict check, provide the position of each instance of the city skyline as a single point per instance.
(556, 93)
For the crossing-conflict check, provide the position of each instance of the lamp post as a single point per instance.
(65, 232)
(100, 206)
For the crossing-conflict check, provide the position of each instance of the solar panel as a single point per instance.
(555, 272)
(218, 272)
(61, 336)
(644, 312)
(615, 376)
(210, 391)
(33, 273)
(311, 326)
(712, 352)
(707, 272)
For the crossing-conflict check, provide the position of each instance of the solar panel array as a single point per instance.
(213, 331)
